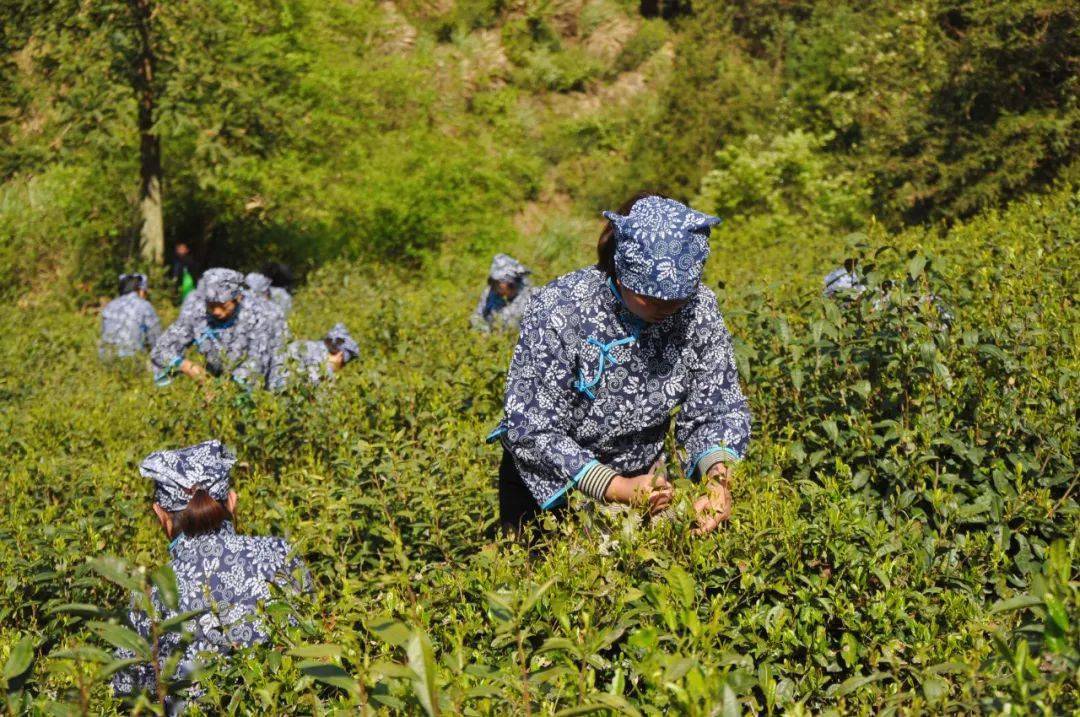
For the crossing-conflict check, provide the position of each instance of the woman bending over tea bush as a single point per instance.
(237, 333)
(217, 571)
(321, 359)
(605, 355)
(505, 297)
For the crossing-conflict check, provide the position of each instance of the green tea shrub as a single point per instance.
(904, 534)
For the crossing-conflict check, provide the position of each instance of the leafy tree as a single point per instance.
(118, 78)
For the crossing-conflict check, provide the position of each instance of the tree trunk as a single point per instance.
(152, 234)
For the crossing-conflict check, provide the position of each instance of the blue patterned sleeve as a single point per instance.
(169, 348)
(538, 403)
(714, 423)
(264, 362)
(477, 320)
(139, 676)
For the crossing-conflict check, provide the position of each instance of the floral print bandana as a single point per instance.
(339, 337)
(221, 285)
(177, 474)
(142, 285)
(662, 247)
(506, 268)
(258, 283)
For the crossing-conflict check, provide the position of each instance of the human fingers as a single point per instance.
(700, 504)
(722, 502)
(661, 498)
(706, 524)
(640, 490)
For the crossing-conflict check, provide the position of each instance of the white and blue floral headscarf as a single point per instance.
(506, 268)
(221, 285)
(258, 283)
(340, 339)
(841, 279)
(142, 283)
(177, 474)
(662, 247)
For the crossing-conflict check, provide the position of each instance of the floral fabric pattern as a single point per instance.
(250, 345)
(495, 312)
(310, 359)
(142, 283)
(178, 473)
(662, 247)
(129, 325)
(221, 285)
(258, 283)
(282, 299)
(227, 575)
(339, 337)
(506, 268)
(589, 382)
(841, 280)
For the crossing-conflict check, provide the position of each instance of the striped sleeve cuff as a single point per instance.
(708, 458)
(593, 479)
(596, 480)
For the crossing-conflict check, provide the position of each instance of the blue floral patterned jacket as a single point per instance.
(250, 345)
(591, 388)
(129, 325)
(227, 575)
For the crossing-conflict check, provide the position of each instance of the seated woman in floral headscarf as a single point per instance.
(322, 359)
(605, 355)
(129, 323)
(243, 336)
(503, 301)
(217, 571)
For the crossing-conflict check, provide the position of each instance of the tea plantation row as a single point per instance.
(904, 540)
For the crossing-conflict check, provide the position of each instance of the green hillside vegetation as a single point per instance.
(905, 532)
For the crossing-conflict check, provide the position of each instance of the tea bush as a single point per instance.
(905, 533)
(905, 538)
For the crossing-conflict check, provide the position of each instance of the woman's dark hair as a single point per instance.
(605, 247)
(203, 514)
(129, 283)
(279, 274)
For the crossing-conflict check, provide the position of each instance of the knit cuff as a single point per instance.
(596, 480)
(711, 457)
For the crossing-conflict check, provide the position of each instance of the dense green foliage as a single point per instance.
(946, 106)
(904, 536)
(906, 529)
